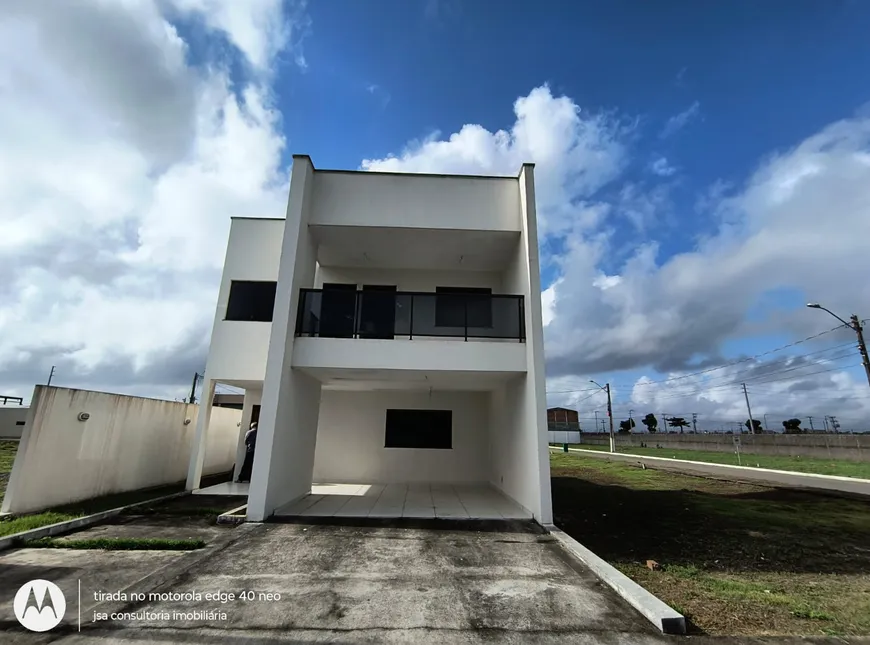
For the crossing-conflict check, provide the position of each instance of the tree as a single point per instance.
(792, 426)
(678, 422)
(650, 422)
(626, 426)
(754, 426)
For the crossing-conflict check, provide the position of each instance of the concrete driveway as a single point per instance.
(385, 584)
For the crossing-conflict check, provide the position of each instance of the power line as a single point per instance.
(744, 360)
(738, 375)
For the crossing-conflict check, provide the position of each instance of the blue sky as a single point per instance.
(737, 81)
(701, 173)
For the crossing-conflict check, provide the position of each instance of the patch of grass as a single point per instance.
(28, 522)
(734, 558)
(117, 544)
(814, 465)
(7, 455)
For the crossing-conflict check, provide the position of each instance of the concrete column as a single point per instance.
(200, 439)
(535, 385)
(284, 459)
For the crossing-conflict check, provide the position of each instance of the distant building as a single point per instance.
(562, 419)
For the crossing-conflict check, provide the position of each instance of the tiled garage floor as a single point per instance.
(405, 500)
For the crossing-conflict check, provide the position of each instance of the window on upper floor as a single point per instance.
(452, 303)
(419, 429)
(251, 300)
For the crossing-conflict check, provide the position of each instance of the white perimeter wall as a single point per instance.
(9, 420)
(239, 348)
(408, 200)
(351, 433)
(128, 443)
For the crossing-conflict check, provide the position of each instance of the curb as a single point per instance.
(59, 528)
(665, 619)
(233, 516)
(836, 484)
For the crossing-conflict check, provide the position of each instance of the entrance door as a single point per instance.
(337, 310)
(378, 311)
(255, 414)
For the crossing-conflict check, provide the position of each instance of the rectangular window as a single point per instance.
(252, 301)
(419, 429)
(458, 306)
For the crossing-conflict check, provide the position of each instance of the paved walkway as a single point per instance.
(346, 584)
(405, 500)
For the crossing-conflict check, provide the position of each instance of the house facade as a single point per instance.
(389, 339)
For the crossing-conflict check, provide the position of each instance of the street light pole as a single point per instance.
(855, 325)
(606, 388)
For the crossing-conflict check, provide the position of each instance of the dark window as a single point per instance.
(19, 423)
(419, 429)
(251, 301)
(451, 304)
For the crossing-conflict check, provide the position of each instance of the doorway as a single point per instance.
(378, 312)
(338, 310)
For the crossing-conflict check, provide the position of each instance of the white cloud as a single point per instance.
(679, 121)
(800, 223)
(121, 166)
(662, 168)
(575, 153)
(258, 28)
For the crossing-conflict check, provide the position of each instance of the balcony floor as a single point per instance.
(457, 501)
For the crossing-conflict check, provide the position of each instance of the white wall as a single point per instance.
(431, 355)
(564, 436)
(520, 447)
(239, 348)
(12, 422)
(408, 280)
(351, 433)
(128, 443)
(426, 201)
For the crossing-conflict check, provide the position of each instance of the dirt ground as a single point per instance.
(735, 558)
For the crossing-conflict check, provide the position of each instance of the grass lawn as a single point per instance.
(735, 558)
(775, 462)
(7, 456)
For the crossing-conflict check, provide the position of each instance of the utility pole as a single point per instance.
(825, 421)
(766, 426)
(596, 420)
(695, 422)
(193, 387)
(749, 409)
(811, 424)
(606, 388)
(855, 324)
(610, 414)
(51, 374)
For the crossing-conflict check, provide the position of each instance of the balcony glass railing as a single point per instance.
(387, 314)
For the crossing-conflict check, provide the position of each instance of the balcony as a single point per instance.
(384, 313)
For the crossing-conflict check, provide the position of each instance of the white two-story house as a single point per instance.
(389, 339)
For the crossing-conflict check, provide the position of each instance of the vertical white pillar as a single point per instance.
(535, 386)
(284, 458)
(200, 439)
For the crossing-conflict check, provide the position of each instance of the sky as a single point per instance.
(702, 172)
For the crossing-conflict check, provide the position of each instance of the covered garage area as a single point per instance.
(401, 449)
